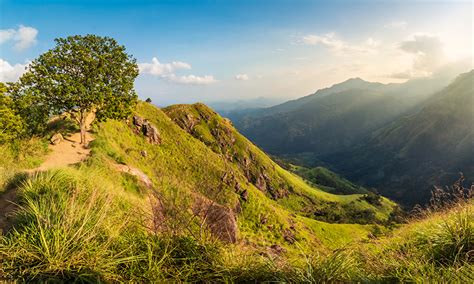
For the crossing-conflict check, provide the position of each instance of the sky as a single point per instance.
(225, 51)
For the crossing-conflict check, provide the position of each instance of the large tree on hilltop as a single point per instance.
(83, 75)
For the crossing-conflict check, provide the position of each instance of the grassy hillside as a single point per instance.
(93, 223)
(282, 186)
(194, 191)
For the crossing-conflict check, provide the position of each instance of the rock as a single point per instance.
(144, 153)
(277, 249)
(245, 195)
(137, 173)
(263, 220)
(151, 132)
(219, 219)
(238, 208)
(137, 121)
(261, 183)
(56, 139)
(289, 236)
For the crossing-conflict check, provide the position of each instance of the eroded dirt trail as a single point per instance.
(66, 153)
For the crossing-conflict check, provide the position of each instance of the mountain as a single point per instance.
(226, 107)
(179, 195)
(428, 147)
(355, 126)
(325, 122)
(337, 117)
(285, 188)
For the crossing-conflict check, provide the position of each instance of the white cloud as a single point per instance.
(242, 77)
(426, 53)
(6, 35)
(167, 72)
(11, 73)
(24, 37)
(156, 68)
(337, 45)
(396, 25)
(192, 79)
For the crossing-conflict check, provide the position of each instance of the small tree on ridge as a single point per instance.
(83, 75)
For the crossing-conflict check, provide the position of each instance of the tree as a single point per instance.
(10, 122)
(83, 75)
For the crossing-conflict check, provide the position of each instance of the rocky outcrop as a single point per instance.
(146, 128)
(136, 173)
(220, 220)
(56, 139)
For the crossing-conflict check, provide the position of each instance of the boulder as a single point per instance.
(56, 139)
(137, 121)
(151, 132)
(220, 220)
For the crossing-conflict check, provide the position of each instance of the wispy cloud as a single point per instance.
(167, 72)
(192, 79)
(427, 55)
(23, 37)
(396, 25)
(338, 46)
(11, 73)
(242, 77)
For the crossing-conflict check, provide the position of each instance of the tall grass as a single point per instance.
(63, 230)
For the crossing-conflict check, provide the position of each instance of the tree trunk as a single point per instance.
(83, 132)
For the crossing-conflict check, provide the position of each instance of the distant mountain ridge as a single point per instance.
(344, 125)
(413, 153)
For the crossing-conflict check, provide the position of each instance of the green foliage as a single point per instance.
(11, 124)
(18, 155)
(82, 74)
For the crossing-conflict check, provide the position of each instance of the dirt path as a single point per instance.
(66, 153)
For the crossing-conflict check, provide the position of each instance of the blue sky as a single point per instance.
(229, 50)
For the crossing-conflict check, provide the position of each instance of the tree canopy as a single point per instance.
(82, 75)
(10, 122)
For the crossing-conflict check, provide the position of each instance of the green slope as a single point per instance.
(186, 163)
(328, 180)
(278, 184)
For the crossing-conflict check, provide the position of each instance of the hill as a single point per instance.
(148, 191)
(413, 153)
